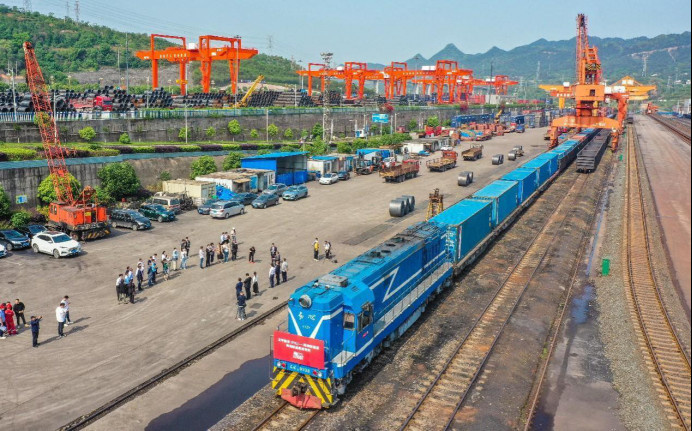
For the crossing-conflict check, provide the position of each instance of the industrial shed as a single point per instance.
(291, 168)
(241, 180)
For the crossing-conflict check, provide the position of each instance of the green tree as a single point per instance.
(262, 152)
(210, 132)
(432, 121)
(42, 118)
(412, 125)
(87, 133)
(286, 149)
(254, 134)
(46, 192)
(344, 148)
(317, 130)
(288, 133)
(165, 176)
(124, 138)
(183, 133)
(20, 219)
(202, 166)
(232, 160)
(318, 147)
(103, 196)
(304, 134)
(119, 180)
(272, 131)
(4, 204)
(234, 128)
(447, 123)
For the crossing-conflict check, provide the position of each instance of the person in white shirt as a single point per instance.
(202, 254)
(60, 314)
(66, 301)
(272, 273)
(174, 259)
(284, 270)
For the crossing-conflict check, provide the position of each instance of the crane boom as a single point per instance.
(55, 152)
(243, 102)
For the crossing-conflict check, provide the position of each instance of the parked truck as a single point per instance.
(96, 103)
(401, 172)
(473, 153)
(447, 161)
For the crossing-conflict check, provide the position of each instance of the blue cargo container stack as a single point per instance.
(504, 196)
(466, 223)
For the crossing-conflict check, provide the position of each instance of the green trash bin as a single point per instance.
(605, 267)
(620, 157)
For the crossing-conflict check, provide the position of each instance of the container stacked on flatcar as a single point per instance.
(339, 322)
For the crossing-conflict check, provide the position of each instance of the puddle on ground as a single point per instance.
(212, 405)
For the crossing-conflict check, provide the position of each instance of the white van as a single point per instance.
(168, 202)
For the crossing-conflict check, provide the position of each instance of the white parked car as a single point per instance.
(329, 178)
(3, 251)
(447, 148)
(56, 243)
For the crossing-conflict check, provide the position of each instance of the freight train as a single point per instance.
(340, 321)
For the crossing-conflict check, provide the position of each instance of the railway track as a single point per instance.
(112, 405)
(443, 398)
(678, 127)
(667, 360)
(287, 417)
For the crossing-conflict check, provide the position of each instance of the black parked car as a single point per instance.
(265, 200)
(14, 240)
(130, 219)
(31, 230)
(244, 198)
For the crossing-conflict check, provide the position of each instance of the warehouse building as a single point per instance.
(290, 168)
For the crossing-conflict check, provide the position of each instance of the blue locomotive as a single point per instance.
(339, 322)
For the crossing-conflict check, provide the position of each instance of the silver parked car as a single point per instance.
(295, 192)
(225, 209)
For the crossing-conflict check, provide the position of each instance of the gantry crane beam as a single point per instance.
(203, 52)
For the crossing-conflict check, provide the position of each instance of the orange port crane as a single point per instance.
(588, 92)
(232, 51)
(80, 216)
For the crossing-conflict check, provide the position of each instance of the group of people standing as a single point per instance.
(245, 288)
(316, 250)
(227, 246)
(9, 312)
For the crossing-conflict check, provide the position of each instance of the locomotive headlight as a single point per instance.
(305, 301)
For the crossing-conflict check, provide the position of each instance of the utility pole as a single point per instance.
(187, 131)
(67, 10)
(127, 65)
(76, 10)
(14, 91)
(27, 5)
(327, 60)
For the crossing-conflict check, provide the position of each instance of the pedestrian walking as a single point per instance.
(234, 235)
(272, 251)
(35, 327)
(66, 301)
(284, 270)
(187, 245)
(174, 259)
(239, 287)
(119, 287)
(226, 252)
(219, 252)
(255, 283)
(240, 315)
(208, 255)
(60, 317)
(19, 312)
(183, 244)
(251, 255)
(277, 272)
(234, 250)
(272, 272)
(327, 250)
(201, 257)
(247, 284)
(183, 258)
(316, 249)
(155, 265)
(139, 275)
(212, 253)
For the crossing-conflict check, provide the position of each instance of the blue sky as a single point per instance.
(379, 30)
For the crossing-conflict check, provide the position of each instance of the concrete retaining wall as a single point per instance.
(25, 181)
(166, 130)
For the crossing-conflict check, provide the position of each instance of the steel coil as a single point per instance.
(465, 178)
(498, 159)
(512, 155)
(410, 202)
(398, 207)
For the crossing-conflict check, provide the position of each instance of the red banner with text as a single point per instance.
(299, 350)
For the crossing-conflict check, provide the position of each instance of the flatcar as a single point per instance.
(340, 321)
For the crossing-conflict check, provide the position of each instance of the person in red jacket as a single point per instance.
(9, 320)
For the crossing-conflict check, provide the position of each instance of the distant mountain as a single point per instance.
(666, 55)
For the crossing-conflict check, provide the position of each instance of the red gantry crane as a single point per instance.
(81, 217)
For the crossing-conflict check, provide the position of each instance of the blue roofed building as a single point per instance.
(291, 167)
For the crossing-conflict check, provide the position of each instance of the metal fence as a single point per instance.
(148, 114)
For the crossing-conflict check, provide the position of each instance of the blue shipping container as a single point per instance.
(552, 158)
(527, 179)
(542, 168)
(505, 198)
(466, 224)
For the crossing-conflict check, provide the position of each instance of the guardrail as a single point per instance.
(155, 114)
